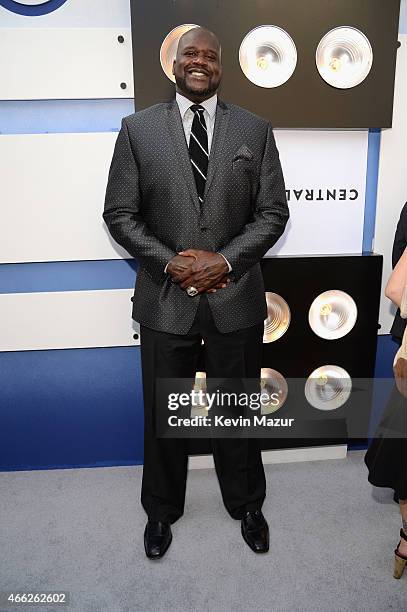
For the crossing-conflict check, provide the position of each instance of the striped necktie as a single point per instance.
(198, 149)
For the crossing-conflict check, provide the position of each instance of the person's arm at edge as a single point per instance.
(397, 281)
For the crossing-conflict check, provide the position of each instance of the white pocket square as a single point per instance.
(243, 153)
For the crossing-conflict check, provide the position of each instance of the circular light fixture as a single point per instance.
(268, 56)
(275, 385)
(344, 57)
(328, 387)
(169, 46)
(278, 317)
(332, 314)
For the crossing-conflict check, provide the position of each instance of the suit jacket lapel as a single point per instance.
(219, 133)
(178, 136)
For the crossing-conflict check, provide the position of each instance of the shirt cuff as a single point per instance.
(165, 269)
(228, 264)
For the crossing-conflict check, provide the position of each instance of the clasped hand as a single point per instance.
(204, 270)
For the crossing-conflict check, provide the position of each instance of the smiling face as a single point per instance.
(197, 68)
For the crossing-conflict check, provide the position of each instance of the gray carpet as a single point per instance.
(332, 541)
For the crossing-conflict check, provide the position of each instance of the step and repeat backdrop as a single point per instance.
(69, 354)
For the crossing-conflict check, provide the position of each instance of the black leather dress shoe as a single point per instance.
(255, 531)
(157, 539)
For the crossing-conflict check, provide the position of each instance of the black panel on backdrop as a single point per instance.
(300, 351)
(299, 280)
(305, 100)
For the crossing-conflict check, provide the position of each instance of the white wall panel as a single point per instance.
(392, 184)
(69, 319)
(52, 189)
(314, 163)
(65, 63)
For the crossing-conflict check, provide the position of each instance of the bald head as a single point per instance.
(197, 68)
(196, 32)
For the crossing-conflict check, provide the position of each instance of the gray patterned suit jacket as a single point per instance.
(152, 210)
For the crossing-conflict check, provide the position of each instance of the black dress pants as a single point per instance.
(237, 461)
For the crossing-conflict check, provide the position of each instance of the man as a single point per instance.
(197, 196)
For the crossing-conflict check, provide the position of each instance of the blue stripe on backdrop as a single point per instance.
(386, 350)
(70, 408)
(84, 407)
(67, 276)
(372, 173)
(61, 116)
